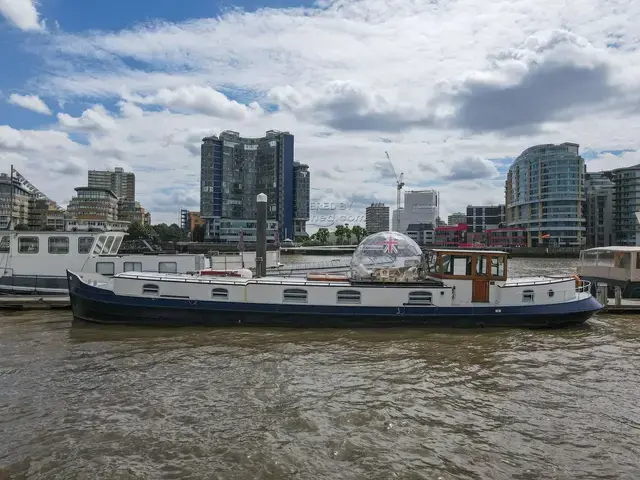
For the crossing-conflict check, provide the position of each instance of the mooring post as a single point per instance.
(261, 236)
(618, 294)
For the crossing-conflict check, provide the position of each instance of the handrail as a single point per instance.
(551, 281)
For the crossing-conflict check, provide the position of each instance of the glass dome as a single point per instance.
(384, 249)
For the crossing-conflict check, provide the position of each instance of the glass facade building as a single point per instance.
(626, 202)
(545, 195)
(235, 169)
(599, 188)
(301, 198)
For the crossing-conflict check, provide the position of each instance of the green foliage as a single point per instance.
(322, 236)
(358, 232)
(137, 231)
(168, 233)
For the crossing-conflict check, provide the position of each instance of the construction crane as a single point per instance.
(399, 185)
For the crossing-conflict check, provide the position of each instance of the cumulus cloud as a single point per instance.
(474, 168)
(22, 13)
(93, 120)
(551, 74)
(442, 85)
(30, 102)
(196, 98)
(346, 105)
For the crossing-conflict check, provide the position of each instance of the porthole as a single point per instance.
(551, 293)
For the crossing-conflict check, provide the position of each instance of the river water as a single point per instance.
(95, 402)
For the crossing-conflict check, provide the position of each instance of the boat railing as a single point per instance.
(526, 282)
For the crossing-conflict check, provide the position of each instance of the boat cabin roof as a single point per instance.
(621, 248)
(466, 252)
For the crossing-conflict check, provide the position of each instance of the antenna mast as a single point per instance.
(399, 185)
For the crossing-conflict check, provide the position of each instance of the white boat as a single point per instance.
(36, 262)
(439, 288)
(613, 266)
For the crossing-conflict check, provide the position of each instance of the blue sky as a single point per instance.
(453, 90)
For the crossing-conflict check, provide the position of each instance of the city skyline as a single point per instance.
(101, 89)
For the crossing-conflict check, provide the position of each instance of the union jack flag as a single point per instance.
(390, 245)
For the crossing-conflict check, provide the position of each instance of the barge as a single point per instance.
(391, 283)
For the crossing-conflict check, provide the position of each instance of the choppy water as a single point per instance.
(119, 402)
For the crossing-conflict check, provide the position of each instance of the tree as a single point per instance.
(21, 226)
(136, 231)
(168, 233)
(322, 235)
(198, 234)
(358, 232)
(347, 233)
(340, 233)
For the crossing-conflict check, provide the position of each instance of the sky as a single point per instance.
(453, 90)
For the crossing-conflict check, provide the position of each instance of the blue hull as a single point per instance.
(101, 306)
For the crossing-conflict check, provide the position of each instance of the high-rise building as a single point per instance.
(377, 218)
(121, 183)
(301, 198)
(17, 213)
(599, 189)
(626, 202)
(235, 169)
(94, 203)
(545, 194)
(481, 218)
(456, 218)
(420, 206)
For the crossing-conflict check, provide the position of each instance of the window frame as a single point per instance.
(68, 244)
(349, 297)
(216, 294)
(113, 268)
(93, 241)
(175, 264)
(37, 239)
(413, 300)
(294, 295)
(124, 266)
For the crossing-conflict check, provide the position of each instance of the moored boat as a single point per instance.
(36, 262)
(613, 266)
(439, 288)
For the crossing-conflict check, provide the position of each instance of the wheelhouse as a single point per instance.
(468, 264)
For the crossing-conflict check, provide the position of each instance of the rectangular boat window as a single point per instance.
(99, 244)
(348, 296)
(420, 298)
(84, 244)
(295, 295)
(107, 245)
(481, 265)
(58, 245)
(28, 244)
(167, 267)
(459, 265)
(219, 294)
(5, 244)
(132, 266)
(497, 266)
(528, 296)
(116, 246)
(150, 289)
(105, 268)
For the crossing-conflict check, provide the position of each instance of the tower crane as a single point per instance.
(399, 185)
